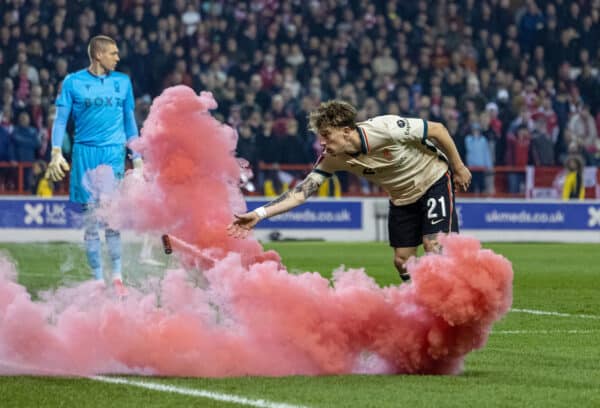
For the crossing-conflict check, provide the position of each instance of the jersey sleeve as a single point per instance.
(64, 103)
(131, 129)
(323, 167)
(65, 98)
(407, 129)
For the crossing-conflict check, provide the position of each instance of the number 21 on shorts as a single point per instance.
(432, 207)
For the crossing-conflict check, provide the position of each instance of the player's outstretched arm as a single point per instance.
(460, 173)
(243, 223)
(58, 166)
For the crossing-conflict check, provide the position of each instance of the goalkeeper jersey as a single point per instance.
(102, 108)
(395, 154)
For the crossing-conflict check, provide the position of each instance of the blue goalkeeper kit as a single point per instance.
(103, 113)
(102, 108)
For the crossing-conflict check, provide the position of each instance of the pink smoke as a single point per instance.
(253, 318)
(190, 187)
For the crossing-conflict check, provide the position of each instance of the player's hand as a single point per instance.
(58, 165)
(462, 177)
(242, 224)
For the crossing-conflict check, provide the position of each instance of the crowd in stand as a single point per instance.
(515, 84)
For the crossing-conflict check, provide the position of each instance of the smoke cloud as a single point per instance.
(252, 317)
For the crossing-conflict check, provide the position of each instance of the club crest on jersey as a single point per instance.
(117, 86)
(401, 123)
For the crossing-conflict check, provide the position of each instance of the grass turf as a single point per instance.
(530, 360)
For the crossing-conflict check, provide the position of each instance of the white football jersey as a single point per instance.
(395, 155)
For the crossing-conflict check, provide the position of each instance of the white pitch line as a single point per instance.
(574, 331)
(197, 393)
(547, 313)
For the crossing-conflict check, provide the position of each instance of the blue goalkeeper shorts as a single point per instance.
(86, 158)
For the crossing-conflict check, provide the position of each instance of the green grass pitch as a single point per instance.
(531, 360)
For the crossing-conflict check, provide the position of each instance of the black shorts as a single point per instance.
(432, 213)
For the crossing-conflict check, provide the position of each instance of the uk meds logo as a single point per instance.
(49, 214)
(594, 217)
(56, 214)
(33, 214)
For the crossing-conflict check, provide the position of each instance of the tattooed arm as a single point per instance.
(290, 199)
(293, 198)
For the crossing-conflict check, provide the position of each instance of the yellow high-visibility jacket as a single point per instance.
(44, 188)
(569, 189)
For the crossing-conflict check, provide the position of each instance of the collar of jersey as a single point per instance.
(364, 143)
(98, 76)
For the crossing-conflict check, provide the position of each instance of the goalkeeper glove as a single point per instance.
(58, 165)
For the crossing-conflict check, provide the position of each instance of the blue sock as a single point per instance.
(113, 240)
(93, 250)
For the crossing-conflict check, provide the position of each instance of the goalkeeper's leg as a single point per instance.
(93, 246)
(113, 241)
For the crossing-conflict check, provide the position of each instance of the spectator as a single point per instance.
(7, 156)
(40, 184)
(523, 119)
(384, 64)
(478, 156)
(246, 146)
(518, 155)
(496, 126)
(551, 118)
(22, 68)
(269, 153)
(26, 141)
(45, 149)
(6, 129)
(294, 150)
(268, 72)
(263, 99)
(531, 26)
(583, 131)
(190, 19)
(542, 147)
(295, 58)
(23, 87)
(573, 187)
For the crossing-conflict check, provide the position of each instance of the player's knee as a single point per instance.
(431, 244)
(112, 233)
(91, 233)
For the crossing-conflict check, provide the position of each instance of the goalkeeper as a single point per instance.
(101, 103)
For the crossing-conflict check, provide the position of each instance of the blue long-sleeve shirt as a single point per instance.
(7, 152)
(478, 151)
(102, 109)
(26, 141)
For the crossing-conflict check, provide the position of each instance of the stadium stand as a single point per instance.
(525, 75)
